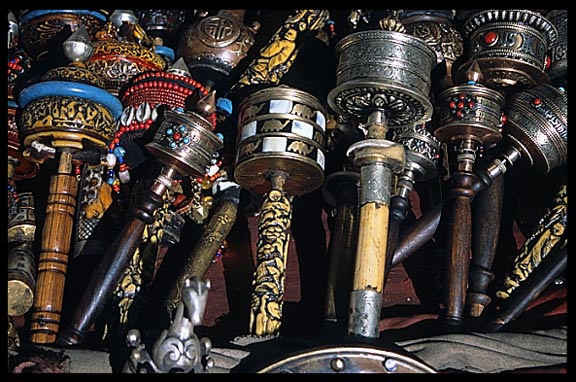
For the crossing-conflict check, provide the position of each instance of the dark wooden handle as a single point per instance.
(486, 219)
(459, 236)
(110, 271)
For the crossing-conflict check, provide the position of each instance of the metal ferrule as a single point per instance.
(365, 306)
(500, 165)
(375, 183)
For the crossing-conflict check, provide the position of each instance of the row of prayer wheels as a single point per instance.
(201, 98)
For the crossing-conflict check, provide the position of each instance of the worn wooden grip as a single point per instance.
(372, 240)
(487, 216)
(271, 255)
(53, 259)
(459, 236)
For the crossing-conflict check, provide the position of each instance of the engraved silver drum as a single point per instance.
(538, 125)
(383, 70)
(509, 45)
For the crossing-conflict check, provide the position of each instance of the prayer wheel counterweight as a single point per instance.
(281, 138)
(470, 118)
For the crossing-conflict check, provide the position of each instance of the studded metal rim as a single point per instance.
(347, 359)
(531, 18)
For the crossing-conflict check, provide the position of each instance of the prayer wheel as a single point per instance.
(185, 144)
(383, 80)
(68, 113)
(280, 153)
(21, 262)
(558, 69)
(44, 29)
(214, 45)
(471, 118)
(510, 45)
(122, 49)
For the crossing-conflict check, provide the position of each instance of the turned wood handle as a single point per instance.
(53, 259)
(271, 256)
(104, 281)
(418, 234)
(459, 236)
(110, 271)
(486, 217)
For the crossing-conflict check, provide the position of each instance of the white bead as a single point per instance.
(124, 176)
(111, 160)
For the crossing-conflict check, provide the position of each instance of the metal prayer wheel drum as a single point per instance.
(117, 62)
(558, 68)
(43, 29)
(421, 151)
(510, 46)
(23, 169)
(384, 70)
(435, 27)
(470, 112)
(214, 45)
(21, 265)
(185, 142)
(68, 113)
(281, 128)
(161, 23)
(537, 124)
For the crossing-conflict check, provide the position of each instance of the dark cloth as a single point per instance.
(491, 352)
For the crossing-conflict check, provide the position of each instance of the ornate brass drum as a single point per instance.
(281, 128)
(386, 70)
(43, 29)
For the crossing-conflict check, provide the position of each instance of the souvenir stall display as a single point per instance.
(287, 191)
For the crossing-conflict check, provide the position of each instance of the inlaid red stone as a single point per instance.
(490, 38)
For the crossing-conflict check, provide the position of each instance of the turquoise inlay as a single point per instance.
(165, 51)
(71, 89)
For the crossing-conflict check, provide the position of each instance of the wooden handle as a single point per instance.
(458, 246)
(53, 259)
(110, 270)
(213, 235)
(418, 234)
(485, 235)
(271, 255)
(372, 241)
(342, 254)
